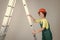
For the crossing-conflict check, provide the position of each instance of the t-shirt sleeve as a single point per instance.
(37, 20)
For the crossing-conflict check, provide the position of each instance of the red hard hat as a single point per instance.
(41, 10)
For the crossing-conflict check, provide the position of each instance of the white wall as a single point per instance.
(19, 28)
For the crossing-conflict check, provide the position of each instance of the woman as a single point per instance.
(45, 26)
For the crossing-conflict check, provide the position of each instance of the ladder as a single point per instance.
(7, 18)
(8, 15)
(28, 17)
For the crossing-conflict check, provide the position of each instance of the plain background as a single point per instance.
(19, 28)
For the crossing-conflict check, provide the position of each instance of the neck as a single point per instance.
(43, 18)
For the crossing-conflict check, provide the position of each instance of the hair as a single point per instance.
(44, 13)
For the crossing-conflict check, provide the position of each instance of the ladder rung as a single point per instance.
(10, 6)
(5, 26)
(7, 16)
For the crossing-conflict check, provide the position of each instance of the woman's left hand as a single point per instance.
(33, 32)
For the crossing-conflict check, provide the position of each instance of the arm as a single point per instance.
(43, 27)
(35, 20)
(38, 30)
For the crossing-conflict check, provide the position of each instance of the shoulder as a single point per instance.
(44, 20)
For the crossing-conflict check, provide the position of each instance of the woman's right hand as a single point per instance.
(31, 17)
